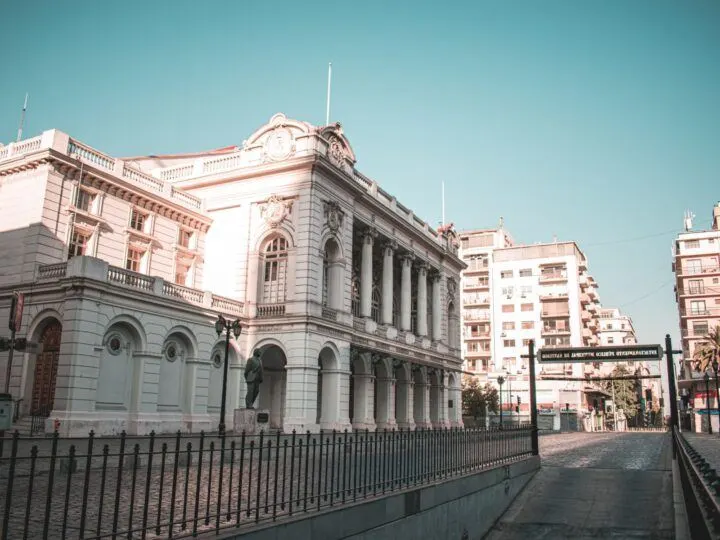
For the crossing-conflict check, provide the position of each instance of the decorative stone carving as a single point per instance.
(336, 151)
(369, 234)
(389, 247)
(279, 145)
(451, 287)
(274, 210)
(334, 215)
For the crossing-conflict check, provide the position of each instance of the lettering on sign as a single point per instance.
(263, 418)
(600, 354)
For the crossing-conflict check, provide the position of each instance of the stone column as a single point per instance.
(406, 292)
(436, 308)
(422, 300)
(387, 283)
(404, 412)
(366, 270)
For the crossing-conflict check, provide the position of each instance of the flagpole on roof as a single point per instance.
(327, 108)
(22, 119)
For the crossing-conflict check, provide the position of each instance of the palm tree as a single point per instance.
(707, 351)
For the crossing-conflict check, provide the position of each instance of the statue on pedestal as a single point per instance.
(253, 378)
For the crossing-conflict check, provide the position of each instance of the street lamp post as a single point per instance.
(707, 401)
(220, 325)
(500, 381)
(717, 391)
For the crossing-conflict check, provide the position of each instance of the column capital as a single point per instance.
(423, 266)
(407, 258)
(390, 247)
(434, 274)
(369, 234)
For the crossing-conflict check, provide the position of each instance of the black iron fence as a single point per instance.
(701, 490)
(185, 485)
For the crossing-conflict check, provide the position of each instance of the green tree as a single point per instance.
(626, 391)
(707, 351)
(475, 398)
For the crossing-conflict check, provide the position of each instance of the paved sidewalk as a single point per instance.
(707, 445)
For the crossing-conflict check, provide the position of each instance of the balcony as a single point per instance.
(478, 335)
(698, 270)
(586, 316)
(553, 277)
(699, 312)
(555, 331)
(550, 297)
(475, 285)
(585, 298)
(474, 315)
(586, 333)
(550, 314)
(97, 269)
(476, 301)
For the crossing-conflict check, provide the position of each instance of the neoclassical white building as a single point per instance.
(125, 265)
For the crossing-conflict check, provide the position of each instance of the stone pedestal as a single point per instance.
(251, 421)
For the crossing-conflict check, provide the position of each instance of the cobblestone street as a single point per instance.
(595, 485)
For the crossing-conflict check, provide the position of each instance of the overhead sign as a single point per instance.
(618, 353)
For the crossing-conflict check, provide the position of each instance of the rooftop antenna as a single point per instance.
(327, 109)
(443, 203)
(689, 216)
(22, 119)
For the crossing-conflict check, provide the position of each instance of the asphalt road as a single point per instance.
(604, 485)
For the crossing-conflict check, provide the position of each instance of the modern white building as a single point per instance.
(125, 265)
(539, 292)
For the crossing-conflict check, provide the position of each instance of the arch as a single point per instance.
(420, 395)
(384, 403)
(174, 382)
(118, 373)
(435, 382)
(329, 237)
(134, 326)
(277, 120)
(275, 268)
(39, 321)
(328, 385)
(215, 377)
(267, 234)
(274, 386)
(333, 275)
(48, 332)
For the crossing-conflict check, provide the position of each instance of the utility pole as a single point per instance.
(614, 407)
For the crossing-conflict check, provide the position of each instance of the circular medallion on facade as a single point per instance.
(217, 360)
(279, 145)
(114, 344)
(171, 352)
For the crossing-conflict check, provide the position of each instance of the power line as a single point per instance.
(643, 297)
(636, 239)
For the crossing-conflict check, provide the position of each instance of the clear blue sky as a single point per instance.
(592, 121)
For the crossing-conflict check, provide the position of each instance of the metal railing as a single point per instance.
(185, 485)
(701, 488)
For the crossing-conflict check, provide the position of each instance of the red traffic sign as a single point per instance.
(16, 311)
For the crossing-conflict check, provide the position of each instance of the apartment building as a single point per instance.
(541, 292)
(476, 249)
(696, 263)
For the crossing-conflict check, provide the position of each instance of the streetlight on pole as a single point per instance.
(220, 325)
(500, 381)
(717, 391)
(707, 401)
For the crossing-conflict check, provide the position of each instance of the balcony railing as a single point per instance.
(267, 311)
(143, 282)
(695, 270)
(553, 276)
(555, 314)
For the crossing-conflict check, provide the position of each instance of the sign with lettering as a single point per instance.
(16, 311)
(618, 353)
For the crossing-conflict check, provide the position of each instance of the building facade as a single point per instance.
(696, 264)
(125, 265)
(539, 292)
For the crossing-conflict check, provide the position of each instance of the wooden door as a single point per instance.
(46, 367)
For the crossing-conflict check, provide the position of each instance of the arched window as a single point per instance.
(275, 274)
(326, 264)
(375, 307)
(355, 296)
